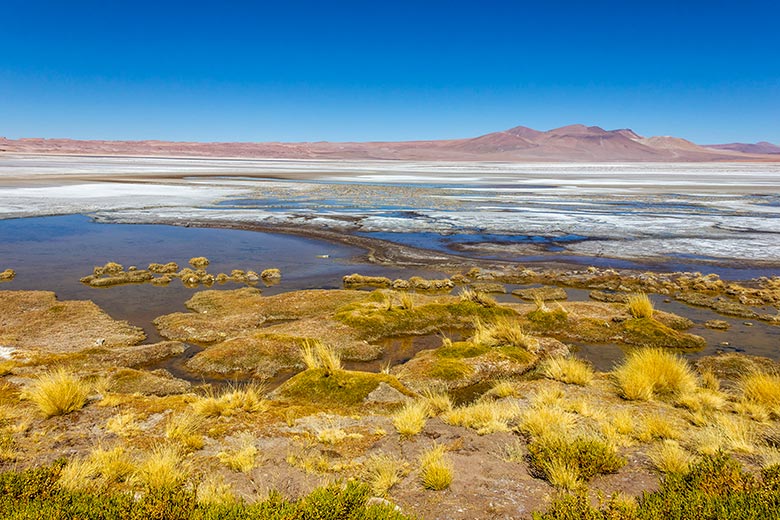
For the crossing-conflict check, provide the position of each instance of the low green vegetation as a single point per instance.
(715, 488)
(37, 494)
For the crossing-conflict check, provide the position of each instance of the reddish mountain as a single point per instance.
(575, 143)
(760, 147)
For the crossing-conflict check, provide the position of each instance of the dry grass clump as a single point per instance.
(568, 462)
(502, 389)
(382, 472)
(438, 402)
(316, 354)
(651, 372)
(406, 301)
(547, 421)
(97, 471)
(504, 333)
(246, 398)
(702, 400)
(478, 297)
(410, 420)
(727, 433)
(162, 468)
(215, 491)
(334, 435)
(242, 458)
(184, 428)
(436, 470)
(123, 424)
(484, 416)
(762, 389)
(656, 427)
(640, 305)
(671, 458)
(58, 392)
(567, 370)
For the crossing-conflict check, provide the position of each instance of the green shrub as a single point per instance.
(587, 457)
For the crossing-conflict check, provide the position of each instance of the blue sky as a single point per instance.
(343, 70)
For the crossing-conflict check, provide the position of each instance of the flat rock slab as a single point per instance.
(544, 293)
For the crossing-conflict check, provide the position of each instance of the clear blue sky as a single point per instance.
(369, 70)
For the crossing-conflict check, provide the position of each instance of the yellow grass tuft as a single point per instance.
(316, 354)
(184, 428)
(640, 305)
(438, 402)
(123, 424)
(546, 422)
(407, 301)
(502, 389)
(762, 389)
(242, 458)
(702, 400)
(58, 392)
(246, 398)
(568, 370)
(436, 470)
(669, 457)
(650, 372)
(504, 333)
(215, 491)
(478, 297)
(162, 468)
(727, 433)
(562, 474)
(410, 420)
(484, 416)
(656, 427)
(100, 469)
(382, 472)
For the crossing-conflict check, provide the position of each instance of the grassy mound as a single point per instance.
(335, 388)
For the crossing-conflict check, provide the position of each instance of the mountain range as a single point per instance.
(573, 143)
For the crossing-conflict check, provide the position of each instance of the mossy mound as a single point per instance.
(594, 322)
(341, 388)
(465, 363)
(258, 355)
(542, 293)
(649, 332)
(373, 320)
(36, 320)
(155, 382)
(731, 367)
(219, 315)
(7, 275)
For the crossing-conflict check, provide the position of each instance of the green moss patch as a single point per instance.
(341, 388)
(652, 333)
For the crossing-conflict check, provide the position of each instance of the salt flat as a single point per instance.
(721, 213)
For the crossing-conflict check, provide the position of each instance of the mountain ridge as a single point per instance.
(570, 143)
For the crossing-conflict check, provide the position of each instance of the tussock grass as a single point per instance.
(382, 472)
(546, 422)
(58, 393)
(656, 427)
(97, 471)
(702, 400)
(436, 470)
(566, 462)
(484, 416)
(161, 468)
(640, 306)
(670, 457)
(727, 433)
(406, 301)
(184, 428)
(752, 410)
(316, 354)
(504, 332)
(478, 297)
(567, 370)
(247, 398)
(502, 389)
(215, 491)
(335, 435)
(649, 372)
(438, 402)
(123, 424)
(410, 420)
(242, 458)
(762, 389)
